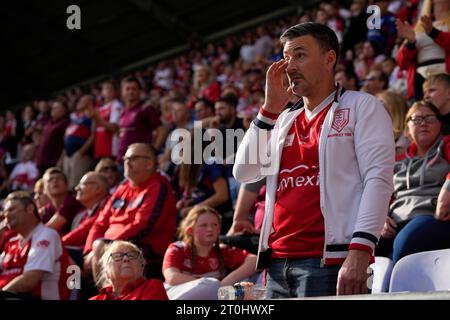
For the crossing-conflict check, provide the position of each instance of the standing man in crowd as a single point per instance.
(106, 142)
(325, 206)
(78, 141)
(51, 143)
(137, 123)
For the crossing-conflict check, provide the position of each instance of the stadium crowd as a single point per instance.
(94, 164)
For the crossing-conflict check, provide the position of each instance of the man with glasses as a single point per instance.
(141, 210)
(34, 263)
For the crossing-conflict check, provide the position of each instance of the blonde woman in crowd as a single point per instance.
(395, 105)
(122, 276)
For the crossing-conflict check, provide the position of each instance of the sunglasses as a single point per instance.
(118, 256)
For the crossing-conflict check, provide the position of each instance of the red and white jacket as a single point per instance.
(356, 160)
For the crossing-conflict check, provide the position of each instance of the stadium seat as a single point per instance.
(423, 271)
(382, 269)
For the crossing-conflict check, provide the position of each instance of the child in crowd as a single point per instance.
(197, 265)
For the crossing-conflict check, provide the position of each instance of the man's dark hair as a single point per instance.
(131, 79)
(351, 75)
(179, 100)
(208, 103)
(62, 103)
(384, 78)
(229, 99)
(325, 36)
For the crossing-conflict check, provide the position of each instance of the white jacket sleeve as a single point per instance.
(375, 152)
(253, 158)
(249, 163)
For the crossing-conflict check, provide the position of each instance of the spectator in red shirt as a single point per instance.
(92, 193)
(196, 266)
(106, 119)
(204, 86)
(59, 213)
(137, 122)
(122, 275)
(34, 262)
(142, 210)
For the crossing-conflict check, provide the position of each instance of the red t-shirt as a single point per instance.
(51, 143)
(178, 255)
(298, 222)
(104, 143)
(141, 289)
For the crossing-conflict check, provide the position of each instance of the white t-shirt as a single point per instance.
(43, 252)
(24, 175)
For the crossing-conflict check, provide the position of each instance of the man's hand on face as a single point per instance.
(277, 94)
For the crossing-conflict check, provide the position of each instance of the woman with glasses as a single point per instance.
(411, 225)
(122, 277)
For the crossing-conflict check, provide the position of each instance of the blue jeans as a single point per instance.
(422, 233)
(292, 278)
